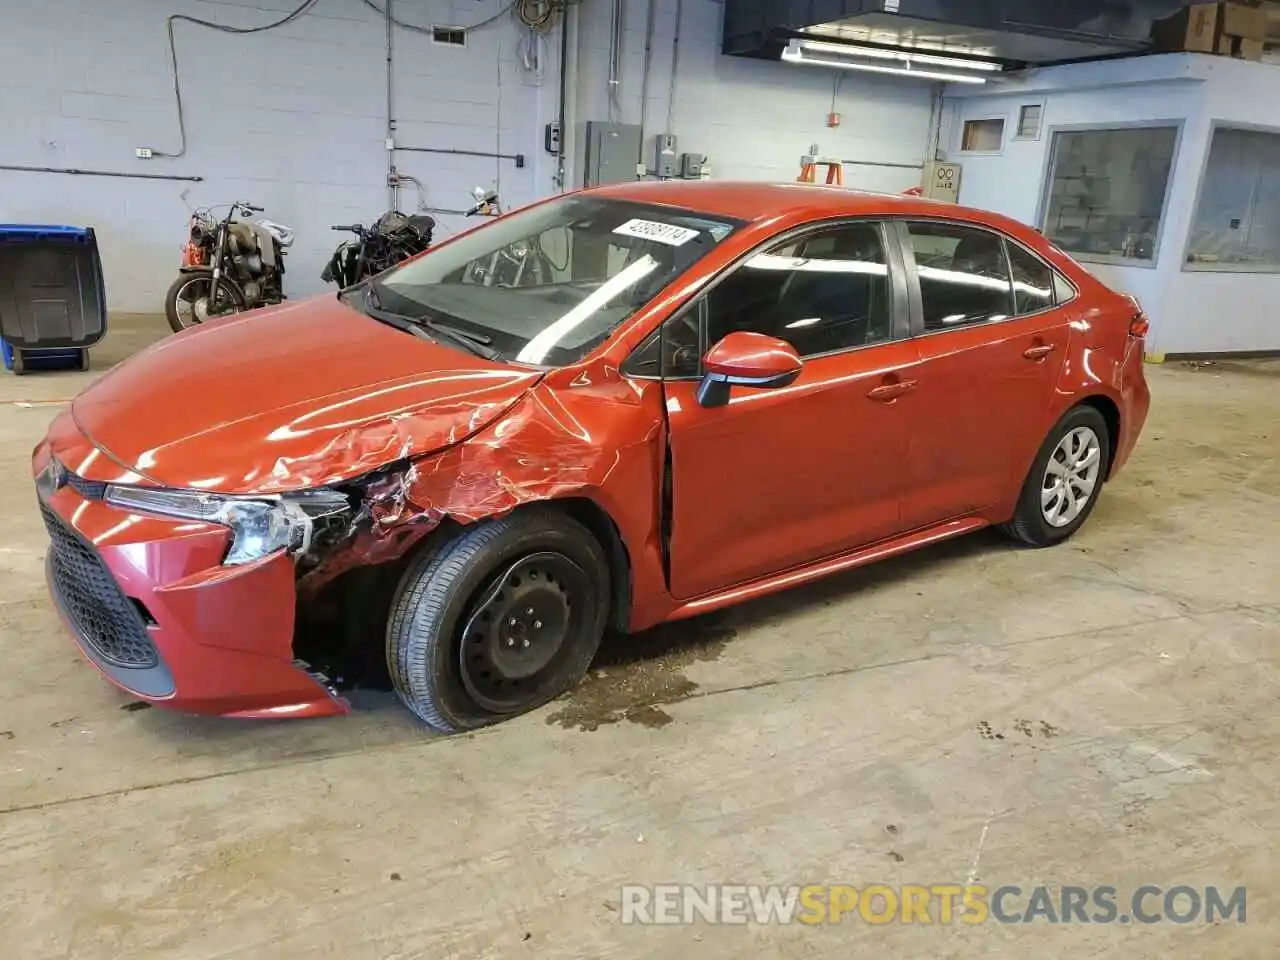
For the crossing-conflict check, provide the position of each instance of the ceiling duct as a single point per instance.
(1013, 33)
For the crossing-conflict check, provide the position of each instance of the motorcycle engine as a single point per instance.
(252, 292)
(254, 263)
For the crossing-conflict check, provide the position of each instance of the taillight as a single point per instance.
(1138, 323)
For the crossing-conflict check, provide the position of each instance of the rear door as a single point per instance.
(992, 338)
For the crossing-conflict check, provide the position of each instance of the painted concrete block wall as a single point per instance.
(1229, 310)
(293, 119)
(1012, 181)
(753, 119)
(1191, 311)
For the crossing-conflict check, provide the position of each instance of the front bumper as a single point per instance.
(152, 607)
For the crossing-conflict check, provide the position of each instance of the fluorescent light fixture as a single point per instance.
(794, 54)
(911, 56)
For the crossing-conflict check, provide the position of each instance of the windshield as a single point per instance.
(548, 284)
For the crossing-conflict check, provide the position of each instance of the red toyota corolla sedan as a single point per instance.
(609, 409)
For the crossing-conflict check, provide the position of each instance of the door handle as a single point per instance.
(888, 392)
(1039, 352)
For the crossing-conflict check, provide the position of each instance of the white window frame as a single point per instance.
(1046, 183)
(1209, 267)
(1004, 135)
(1017, 123)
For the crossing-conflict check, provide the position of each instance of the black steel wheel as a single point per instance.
(498, 621)
(516, 640)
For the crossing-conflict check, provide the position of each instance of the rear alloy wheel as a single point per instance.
(499, 621)
(1063, 486)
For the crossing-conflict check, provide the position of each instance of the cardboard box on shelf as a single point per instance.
(1272, 11)
(1193, 29)
(1240, 48)
(1244, 20)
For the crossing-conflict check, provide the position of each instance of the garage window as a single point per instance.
(982, 136)
(1106, 191)
(1237, 220)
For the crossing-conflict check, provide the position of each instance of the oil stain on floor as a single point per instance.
(634, 677)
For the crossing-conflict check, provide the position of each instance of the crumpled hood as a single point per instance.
(289, 397)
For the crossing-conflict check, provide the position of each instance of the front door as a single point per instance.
(992, 342)
(777, 478)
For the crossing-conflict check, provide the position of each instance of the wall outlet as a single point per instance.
(143, 153)
(389, 143)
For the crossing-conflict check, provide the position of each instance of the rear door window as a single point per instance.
(1032, 281)
(964, 275)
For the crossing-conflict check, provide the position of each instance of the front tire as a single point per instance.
(1065, 481)
(189, 300)
(500, 620)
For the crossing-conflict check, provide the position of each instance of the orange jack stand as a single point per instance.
(808, 171)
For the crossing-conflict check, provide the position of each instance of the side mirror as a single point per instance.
(746, 360)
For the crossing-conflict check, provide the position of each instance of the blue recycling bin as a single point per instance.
(52, 299)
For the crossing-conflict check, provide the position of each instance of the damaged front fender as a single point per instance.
(596, 437)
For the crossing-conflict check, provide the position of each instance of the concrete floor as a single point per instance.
(1100, 713)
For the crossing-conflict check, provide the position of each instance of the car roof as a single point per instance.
(749, 200)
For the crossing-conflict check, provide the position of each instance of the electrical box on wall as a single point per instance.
(942, 181)
(664, 156)
(552, 139)
(692, 165)
(609, 153)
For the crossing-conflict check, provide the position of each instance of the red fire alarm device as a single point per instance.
(833, 119)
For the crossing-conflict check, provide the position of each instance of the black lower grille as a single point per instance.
(106, 620)
(89, 489)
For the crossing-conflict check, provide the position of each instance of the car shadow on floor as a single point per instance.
(631, 679)
(634, 676)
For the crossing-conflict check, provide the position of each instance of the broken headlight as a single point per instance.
(259, 525)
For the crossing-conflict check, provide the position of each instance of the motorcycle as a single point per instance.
(518, 264)
(393, 238)
(228, 265)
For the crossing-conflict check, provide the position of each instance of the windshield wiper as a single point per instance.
(477, 343)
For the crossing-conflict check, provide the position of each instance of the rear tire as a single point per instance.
(1065, 481)
(500, 620)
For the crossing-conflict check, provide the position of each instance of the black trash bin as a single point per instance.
(53, 304)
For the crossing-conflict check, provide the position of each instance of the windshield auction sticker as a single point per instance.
(667, 233)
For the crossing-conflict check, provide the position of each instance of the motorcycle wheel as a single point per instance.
(190, 300)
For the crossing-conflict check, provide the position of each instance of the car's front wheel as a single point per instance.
(1064, 483)
(503, 618)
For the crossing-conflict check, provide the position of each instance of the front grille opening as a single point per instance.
(340, 630)
(109, 626)
(143, 612)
